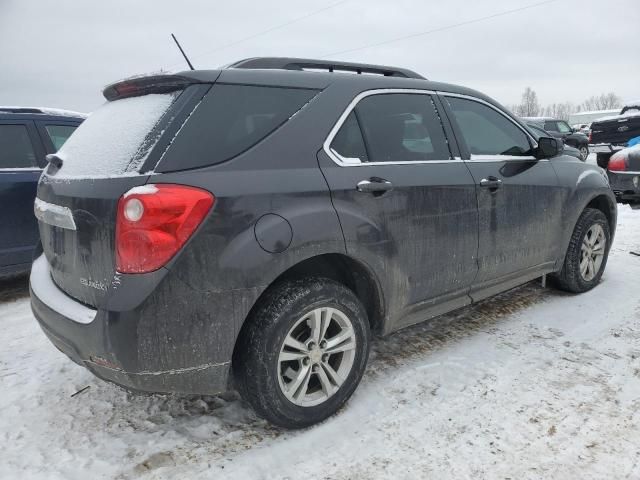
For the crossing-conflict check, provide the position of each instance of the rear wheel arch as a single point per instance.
(341, 268)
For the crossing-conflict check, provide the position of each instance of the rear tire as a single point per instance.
(603, 159)
(308, 378)
(587, 254)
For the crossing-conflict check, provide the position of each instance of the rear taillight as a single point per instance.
(617, 162)
(590, 136)
(154, 222)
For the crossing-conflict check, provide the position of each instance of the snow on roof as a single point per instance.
(633, 104)
(44, 111)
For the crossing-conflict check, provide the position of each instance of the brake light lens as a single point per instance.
(617, 162)
(590, 136)
(154, 222)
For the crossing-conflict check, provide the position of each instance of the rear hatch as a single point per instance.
(618, 129)
(114, 150)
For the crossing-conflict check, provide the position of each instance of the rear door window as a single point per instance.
(16, 149)
(486, 131)
(551, 126)
(59, 134)
(349, 143)
(402, 127)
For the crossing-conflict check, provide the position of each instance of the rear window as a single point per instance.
(59, 134)
(231, 119)
(113, 140)
(16, 150)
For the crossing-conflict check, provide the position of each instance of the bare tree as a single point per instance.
(559, 110)
(604, 101)
(515, 109)
(529, 106)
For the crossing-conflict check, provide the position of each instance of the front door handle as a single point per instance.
(491, 183)
(374, 185)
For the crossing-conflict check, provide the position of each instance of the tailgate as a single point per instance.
(77, 221)
(78, 193)
(618, 131)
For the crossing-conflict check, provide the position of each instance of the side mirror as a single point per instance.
(548, 147)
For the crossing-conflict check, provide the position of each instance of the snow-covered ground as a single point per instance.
(531, 384)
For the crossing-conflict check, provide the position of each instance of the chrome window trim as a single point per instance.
(351, 162)
(497, 157)
(503, 158)
(20, 169)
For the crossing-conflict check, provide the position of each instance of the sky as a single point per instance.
(62, 53)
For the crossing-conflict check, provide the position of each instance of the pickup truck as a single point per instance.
(613, 133)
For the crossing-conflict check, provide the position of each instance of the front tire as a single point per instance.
(303, 352)
(587, 254)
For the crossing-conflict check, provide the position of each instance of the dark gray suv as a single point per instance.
(251, 227)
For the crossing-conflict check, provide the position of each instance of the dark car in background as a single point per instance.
(613, 133)
(561, 129)
(27, 135)
(623, 169)
(538, 132)
(252, 227)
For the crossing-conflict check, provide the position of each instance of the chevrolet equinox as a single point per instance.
(251, 227)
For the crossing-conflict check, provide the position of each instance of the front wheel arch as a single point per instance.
(571, 278)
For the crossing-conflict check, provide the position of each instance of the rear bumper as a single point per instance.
(118, 346)
(625, 186)
(605, 148)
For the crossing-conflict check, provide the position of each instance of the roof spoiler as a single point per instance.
(284, 63)
(136, 86)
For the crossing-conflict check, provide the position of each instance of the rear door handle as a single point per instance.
(374, 185)
(492, 183)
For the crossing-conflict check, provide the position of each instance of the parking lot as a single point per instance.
(530, 384)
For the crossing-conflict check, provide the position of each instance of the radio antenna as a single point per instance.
(182, 51)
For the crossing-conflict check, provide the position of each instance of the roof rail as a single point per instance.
(20, 110)
(284, 63)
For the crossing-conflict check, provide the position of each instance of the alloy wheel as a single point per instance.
(592, 252)
(316, 356)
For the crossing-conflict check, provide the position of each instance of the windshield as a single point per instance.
(564, 128)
